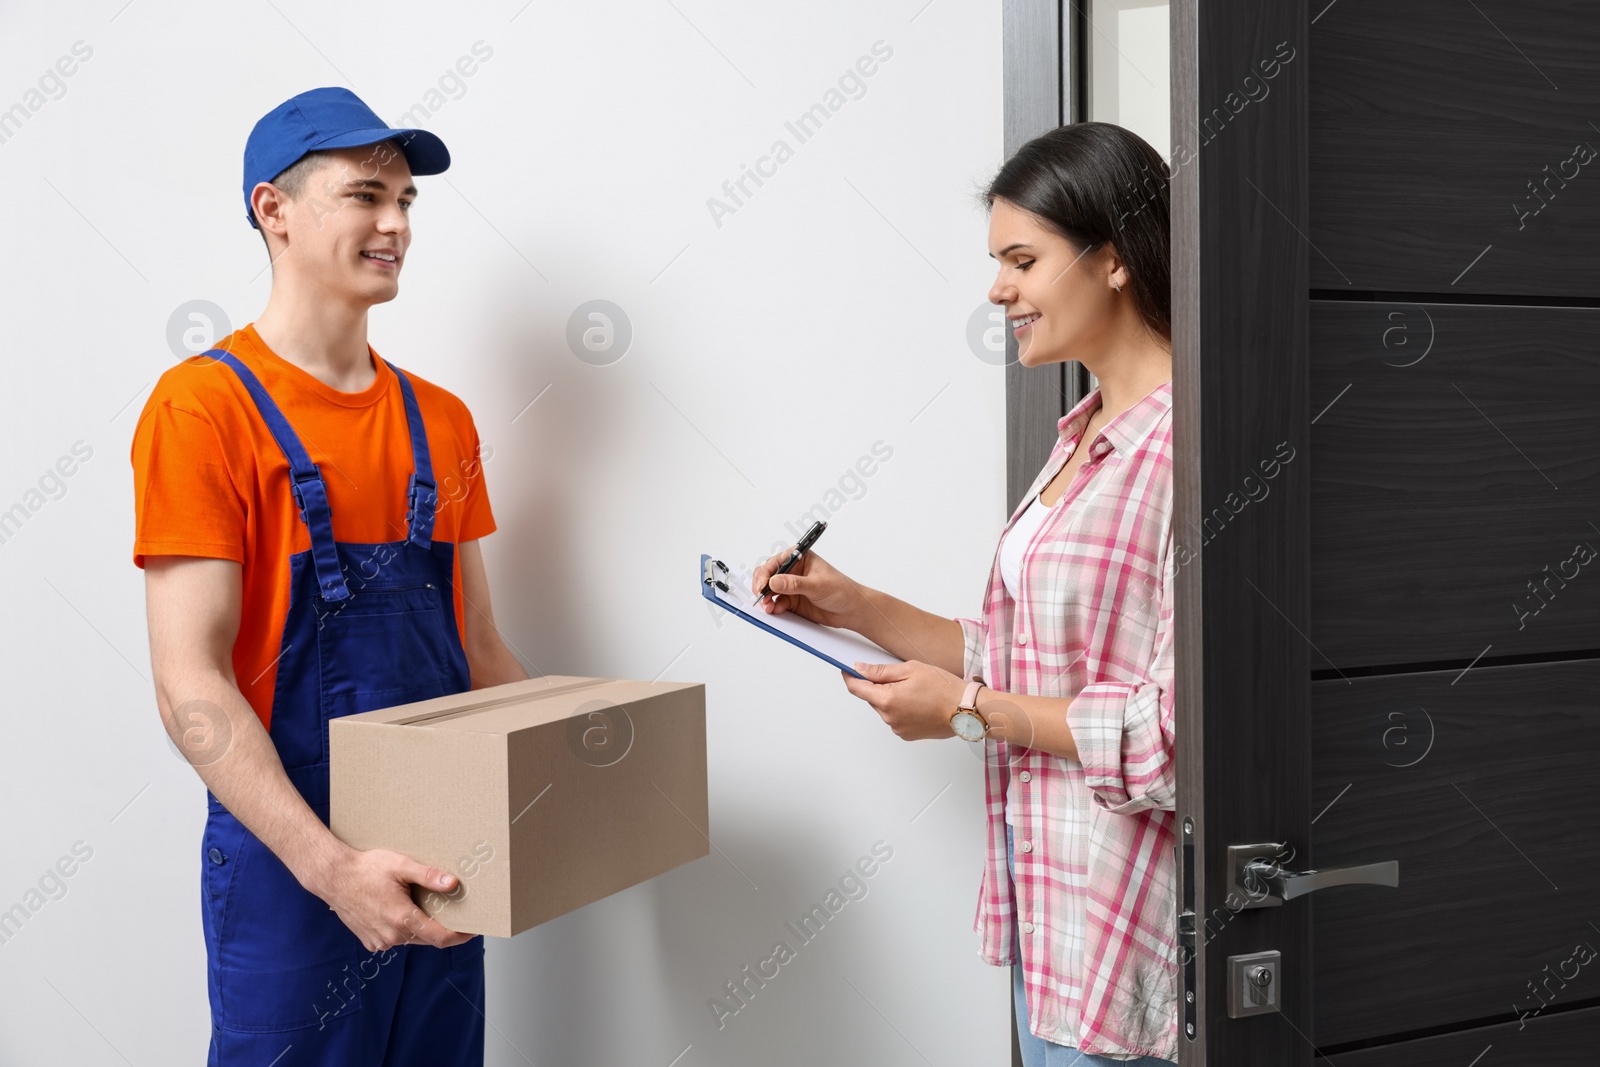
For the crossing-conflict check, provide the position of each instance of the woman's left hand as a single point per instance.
(916, 699)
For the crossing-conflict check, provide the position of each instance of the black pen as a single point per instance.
(800, 549)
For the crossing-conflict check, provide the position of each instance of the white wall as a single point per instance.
(586, 146)
(1129, 83)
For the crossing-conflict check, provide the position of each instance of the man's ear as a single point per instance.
(268, 202)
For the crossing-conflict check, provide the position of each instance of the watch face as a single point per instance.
(967, 726)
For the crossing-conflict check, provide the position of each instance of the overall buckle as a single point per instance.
(422, 496)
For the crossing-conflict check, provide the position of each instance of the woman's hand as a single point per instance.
(813, 590)
(914, 698)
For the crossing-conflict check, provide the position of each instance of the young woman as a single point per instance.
(1066, 678)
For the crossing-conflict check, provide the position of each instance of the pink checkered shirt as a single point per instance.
(1096, 879)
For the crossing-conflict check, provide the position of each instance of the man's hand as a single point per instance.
(916, 699)
(194, 611)
(370, 891)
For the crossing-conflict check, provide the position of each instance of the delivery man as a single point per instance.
(307, 518)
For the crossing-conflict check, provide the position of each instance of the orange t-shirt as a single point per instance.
(210, 480)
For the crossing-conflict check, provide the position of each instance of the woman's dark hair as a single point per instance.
(1093, 183)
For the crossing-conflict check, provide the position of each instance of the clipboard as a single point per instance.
(726, 590)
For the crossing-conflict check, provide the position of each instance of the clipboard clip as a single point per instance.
(710, 574)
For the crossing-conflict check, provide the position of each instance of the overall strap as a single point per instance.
(305, 481)
(422, 495)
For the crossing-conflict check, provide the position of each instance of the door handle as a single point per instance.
(1286, 885)
(1255, 877)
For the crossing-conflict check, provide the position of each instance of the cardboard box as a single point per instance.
(541, 796)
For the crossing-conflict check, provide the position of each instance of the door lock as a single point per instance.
(1253, 984)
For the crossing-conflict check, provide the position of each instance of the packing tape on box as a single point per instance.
(450, 713)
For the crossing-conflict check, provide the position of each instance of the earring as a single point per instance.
(1118, 288)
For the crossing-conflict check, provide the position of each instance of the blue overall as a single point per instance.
(369, 626)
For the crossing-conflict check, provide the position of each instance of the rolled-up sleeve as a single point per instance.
(1124, 731)
(974, 632)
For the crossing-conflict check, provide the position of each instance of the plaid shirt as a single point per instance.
(1095, 868)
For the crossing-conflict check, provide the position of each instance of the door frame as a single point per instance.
(1044, 60)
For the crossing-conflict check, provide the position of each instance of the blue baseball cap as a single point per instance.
(327, 118)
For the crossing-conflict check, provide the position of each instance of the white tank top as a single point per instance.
(1015, 543)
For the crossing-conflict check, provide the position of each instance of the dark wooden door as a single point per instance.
(1387, 415)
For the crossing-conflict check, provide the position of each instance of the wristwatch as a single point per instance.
(967, 721)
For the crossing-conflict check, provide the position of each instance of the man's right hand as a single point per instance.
(194, 612)
(370, 891)
(813, 590)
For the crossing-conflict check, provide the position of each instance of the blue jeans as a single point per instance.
(1036, 1051)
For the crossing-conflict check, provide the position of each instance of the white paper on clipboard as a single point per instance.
(838, 647)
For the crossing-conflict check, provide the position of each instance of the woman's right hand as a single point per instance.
(812, 590)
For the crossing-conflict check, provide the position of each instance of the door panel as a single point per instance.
(1474, 780)
(1351, 280)
(1455, 464)
(1562, 1038)
(1439, 130)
